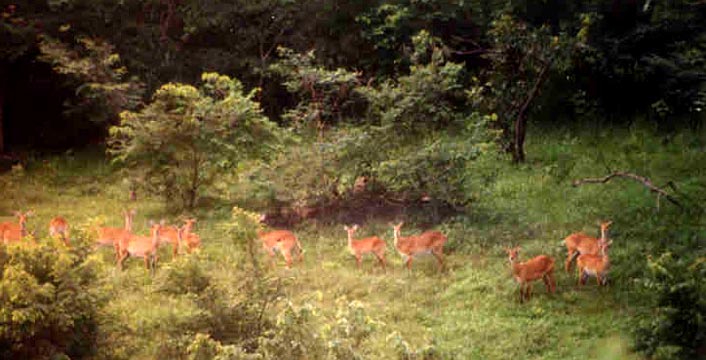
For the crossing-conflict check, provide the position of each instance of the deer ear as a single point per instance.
(29, 213)
(151, 222)
(345, 227)
(355, 227)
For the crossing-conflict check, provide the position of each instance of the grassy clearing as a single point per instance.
(470, 310)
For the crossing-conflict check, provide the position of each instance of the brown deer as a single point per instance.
(59, 227)
(14, 232)
(539, 267)
(111, 236)
(427, 242)
(594, 265)
(187, 238)
(580, 244)
(145, 247)
(373, 245)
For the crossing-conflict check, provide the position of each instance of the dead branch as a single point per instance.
(641, 179)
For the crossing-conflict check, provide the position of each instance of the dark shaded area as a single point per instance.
(33, 111)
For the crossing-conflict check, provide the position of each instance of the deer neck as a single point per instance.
(128, 223)
(604, 235)
(396, 235)
(23, 229)
(350, 241)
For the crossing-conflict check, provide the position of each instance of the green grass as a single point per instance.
(469, 311)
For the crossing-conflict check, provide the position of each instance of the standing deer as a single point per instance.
(427, 242)
(15, 232)
(539, 267)
(187, 238)
(580, 244)
(594, 265)
(283, 241)
(373, 245)
(170, 234)
(59, 227)
(145, 247)
(110, 236)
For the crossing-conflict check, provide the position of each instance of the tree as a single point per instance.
(179, 142)
(521, 59)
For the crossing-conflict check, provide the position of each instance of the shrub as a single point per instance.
(674, 327)
(47, 305)
(177, 144)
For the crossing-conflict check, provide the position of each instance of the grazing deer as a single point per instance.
(110, 236)
(594, 265)
(145, 247)
(58, 226)
(427, 242)
(373, 245)
(283, 241)
(539, 267)
(15, 232)
(186, 237)
(582, 244)
(170, 234)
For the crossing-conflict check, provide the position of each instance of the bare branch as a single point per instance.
(641, 179)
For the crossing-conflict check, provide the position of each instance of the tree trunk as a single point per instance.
(518, 153)
(2, 106)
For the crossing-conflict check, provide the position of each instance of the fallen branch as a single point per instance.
(641, 179)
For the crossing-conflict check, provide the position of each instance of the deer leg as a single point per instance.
(357, 260)
(598, 279)
(439, 257)
(409, 263)
(381, 259)
(522, 293)
(529, 291)
(121, 260)
(569, 257)
(288, 259)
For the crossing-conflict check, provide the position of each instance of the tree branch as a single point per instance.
(641, 179)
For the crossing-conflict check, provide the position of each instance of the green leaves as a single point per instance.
(179, 142)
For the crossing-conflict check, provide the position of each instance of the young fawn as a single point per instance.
(283, 241)
(539, 267)
(427, 242)
(110, 236)
(580, 244)
(59, 227)
(594, 265)
(15, 232)
(373, 245)
(186, 237)
(145, 247)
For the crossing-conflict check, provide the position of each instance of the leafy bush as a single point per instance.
(47, 305)
(675, 326)
(325, 96)
(178, 143)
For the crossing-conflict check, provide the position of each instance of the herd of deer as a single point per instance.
(591, 254)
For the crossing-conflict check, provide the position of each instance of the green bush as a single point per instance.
(674, 326)
(47, 305)
(177, 144)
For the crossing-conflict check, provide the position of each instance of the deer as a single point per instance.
(59, 227)
(111, 236)
(580, 244)
(427, 242)
(192, 241)
(594, 265)
(539, 267)
(142, 246)
(15, 232)
(170, 234)
(373, 245)
(283, 241)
